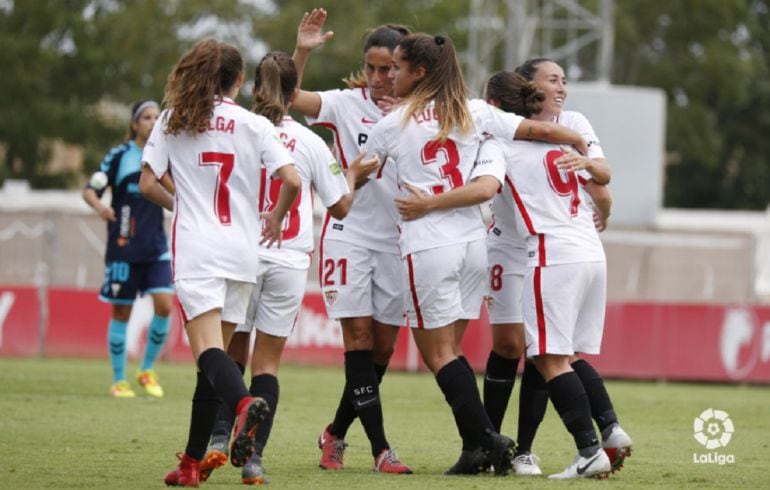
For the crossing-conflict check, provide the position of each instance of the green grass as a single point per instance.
(59, 428)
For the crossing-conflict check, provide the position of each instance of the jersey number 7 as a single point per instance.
(225, 162)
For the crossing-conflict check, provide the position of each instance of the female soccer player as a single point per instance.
(214, 150)
(507, 262)
(137, 257)
(277, 296)
(359, 263)
(433, 138)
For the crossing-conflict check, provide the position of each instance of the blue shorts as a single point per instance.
(123, 280)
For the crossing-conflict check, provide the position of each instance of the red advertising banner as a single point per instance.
(641, 340)
(20, 321)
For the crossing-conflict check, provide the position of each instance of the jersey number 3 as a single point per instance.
(225, 162)
(449, 170)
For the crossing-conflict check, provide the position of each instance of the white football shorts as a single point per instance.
(564, 308)
(357, 282)
(446, 284)
(506, 279)
(197, 296)
(275, 300)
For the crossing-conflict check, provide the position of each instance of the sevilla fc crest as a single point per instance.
(330, 296)
(490, 303)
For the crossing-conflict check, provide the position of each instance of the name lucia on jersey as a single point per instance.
(426, 115)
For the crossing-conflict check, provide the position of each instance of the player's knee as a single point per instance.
(121, 313)
(509, 348)
(383, 353)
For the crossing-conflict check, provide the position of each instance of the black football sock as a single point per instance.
(265, 386)
(364, 393)
(205, 405)
(467, 364)
(223, 374)
(499, 379)
(570, 400)
(601, 405)
(224, 424)
(533, 402)
(462, 394)
(346, 413)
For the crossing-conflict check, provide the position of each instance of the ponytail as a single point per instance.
(275, 79)
(443, 82)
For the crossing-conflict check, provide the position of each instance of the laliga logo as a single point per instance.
(713, 428)
(743, 342)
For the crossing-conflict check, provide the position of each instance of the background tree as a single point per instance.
(710, 56)
(65, 61)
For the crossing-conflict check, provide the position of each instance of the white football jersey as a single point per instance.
(578, 122)
(505, 231)
(351, 114)
(554, 209)
(216, 228)
(435, 167)
(318, 169)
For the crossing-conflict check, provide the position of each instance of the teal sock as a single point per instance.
(116, 337)
(156, 335)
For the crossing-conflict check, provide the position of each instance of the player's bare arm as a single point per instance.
(602, 199)
(418, 204)
(356, 175)
(597, 167)
(551, 133)
(92, 199)
(153, 190)
(310, 35)
(273, 221)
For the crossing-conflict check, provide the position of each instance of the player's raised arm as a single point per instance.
(310, 35)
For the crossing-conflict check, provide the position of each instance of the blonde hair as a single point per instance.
(443, 82)
(208, 69)
(274, 81)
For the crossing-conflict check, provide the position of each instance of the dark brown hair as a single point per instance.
(529, 67)
(274, 82)
(514, 93)
(208, 69)
(443, 82)
(385, 36)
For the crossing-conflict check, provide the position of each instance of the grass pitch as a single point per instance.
(59, 428)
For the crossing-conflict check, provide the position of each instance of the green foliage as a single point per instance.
(60, 428)
(62, 59)
(713, 66)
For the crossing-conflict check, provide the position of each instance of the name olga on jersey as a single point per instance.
(221, 124)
